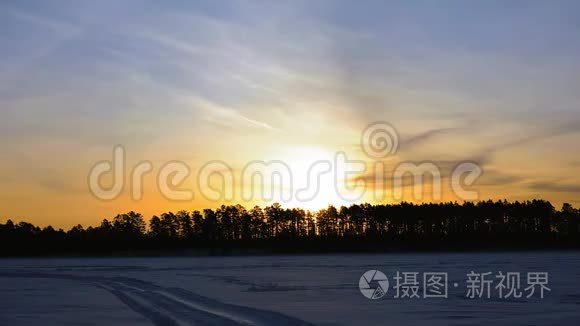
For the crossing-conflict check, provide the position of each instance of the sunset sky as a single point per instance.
(493, 83)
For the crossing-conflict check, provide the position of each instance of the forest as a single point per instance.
(233, 229)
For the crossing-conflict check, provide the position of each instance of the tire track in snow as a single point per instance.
(174, 306)
(183, 306)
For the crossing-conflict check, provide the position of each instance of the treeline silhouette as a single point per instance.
(485, 225)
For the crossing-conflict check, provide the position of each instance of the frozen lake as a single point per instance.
(279, 290)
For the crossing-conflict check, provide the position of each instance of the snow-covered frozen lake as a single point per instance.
(278, 290)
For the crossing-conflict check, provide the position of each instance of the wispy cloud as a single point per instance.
(410, 141)
(55, 31)
(61, 27)
(546, 186)
(225, 116)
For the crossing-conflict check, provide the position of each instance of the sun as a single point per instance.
(309, 189)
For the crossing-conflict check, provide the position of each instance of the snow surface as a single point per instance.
(274, 290)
